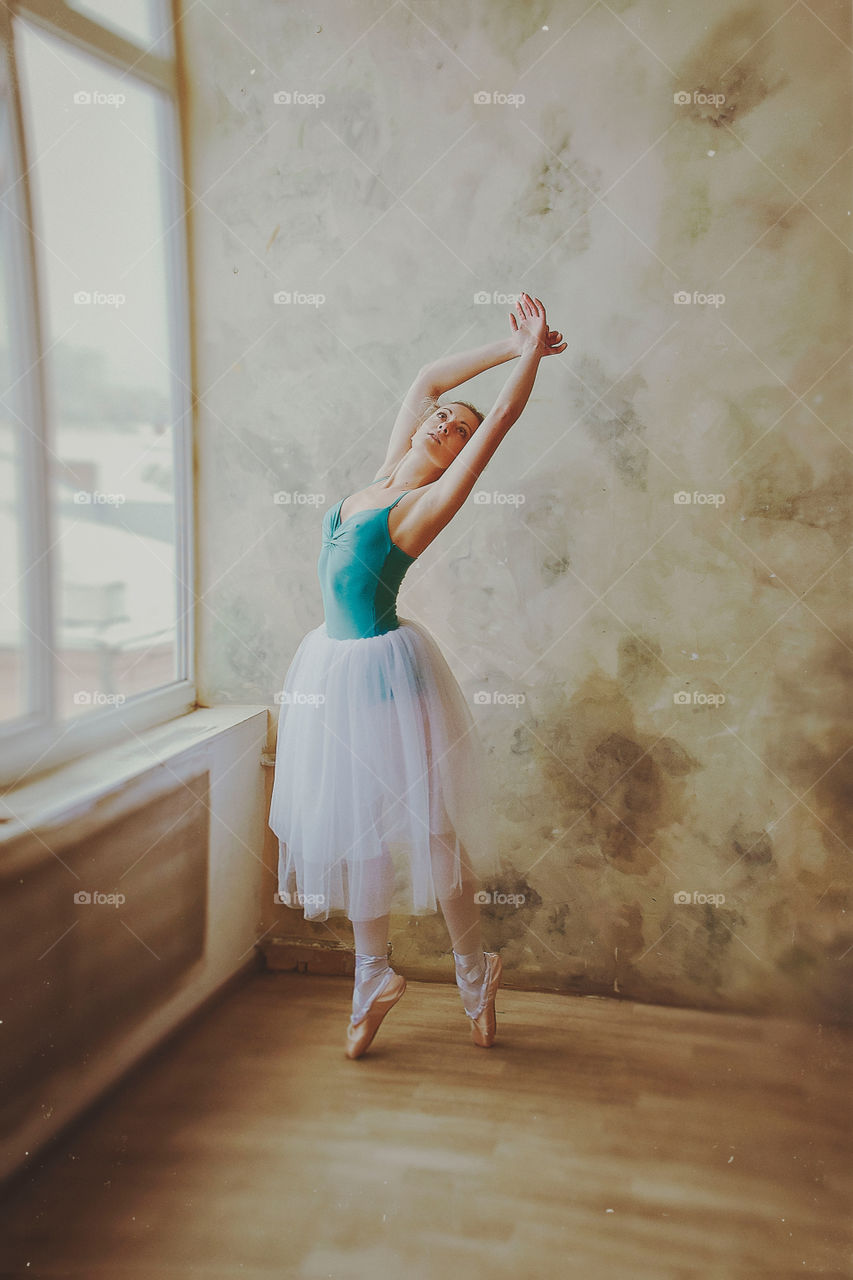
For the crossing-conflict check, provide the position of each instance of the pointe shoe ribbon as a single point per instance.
(484, 1026)
(360, 1036)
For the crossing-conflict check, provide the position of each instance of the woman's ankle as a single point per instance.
(371, 974)
(472, 973)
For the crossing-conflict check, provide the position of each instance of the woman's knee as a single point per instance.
(452, 873)
(452, 888)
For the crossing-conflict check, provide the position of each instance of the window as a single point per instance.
(95, 414)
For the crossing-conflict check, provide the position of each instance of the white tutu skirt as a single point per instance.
(380, 800)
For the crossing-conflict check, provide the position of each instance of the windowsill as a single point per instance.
(84, 782)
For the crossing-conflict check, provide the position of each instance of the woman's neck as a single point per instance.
(413, 473)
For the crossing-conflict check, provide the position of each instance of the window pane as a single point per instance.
(139, 20)
(13, 674)
(100, 222)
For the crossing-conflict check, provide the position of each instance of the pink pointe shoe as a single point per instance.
(360, 1037)
(484, 1027)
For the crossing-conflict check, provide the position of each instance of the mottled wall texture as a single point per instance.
(651, 617)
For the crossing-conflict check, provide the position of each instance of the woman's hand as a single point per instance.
(531, 328)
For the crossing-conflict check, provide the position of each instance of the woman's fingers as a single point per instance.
(534, 309)
(530, 307)
(534, 304)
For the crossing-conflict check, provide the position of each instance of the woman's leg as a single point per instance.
(462, 916)
(371, 963)
(371, 936)
(455, 889)
(371, 886)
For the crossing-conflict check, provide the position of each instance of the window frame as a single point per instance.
(38, 741)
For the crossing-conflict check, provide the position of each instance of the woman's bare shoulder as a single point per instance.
(413, 523)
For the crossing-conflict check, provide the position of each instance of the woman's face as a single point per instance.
(446, 432)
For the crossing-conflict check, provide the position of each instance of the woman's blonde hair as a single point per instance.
(467, 405)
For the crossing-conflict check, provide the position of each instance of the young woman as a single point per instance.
(379, 796)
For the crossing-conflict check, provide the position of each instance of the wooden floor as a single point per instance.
(596, 1139)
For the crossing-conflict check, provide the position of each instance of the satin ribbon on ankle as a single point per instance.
(471, 977)
(371, 974)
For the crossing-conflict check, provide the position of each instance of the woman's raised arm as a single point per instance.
(432, 381)
(418, 405)
(449, 372)
(446, 494)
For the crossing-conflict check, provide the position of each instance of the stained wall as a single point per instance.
(661, 686)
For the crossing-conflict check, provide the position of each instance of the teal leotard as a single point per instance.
(360, 571)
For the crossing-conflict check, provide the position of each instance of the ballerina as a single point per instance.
(379, 797)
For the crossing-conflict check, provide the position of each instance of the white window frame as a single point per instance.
(37, 742)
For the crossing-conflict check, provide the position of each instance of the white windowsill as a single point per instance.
(81, 784)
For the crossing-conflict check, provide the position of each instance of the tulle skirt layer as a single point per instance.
(380, 801)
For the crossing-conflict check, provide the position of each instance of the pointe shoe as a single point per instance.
(359, 1037)
(484, 1027)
